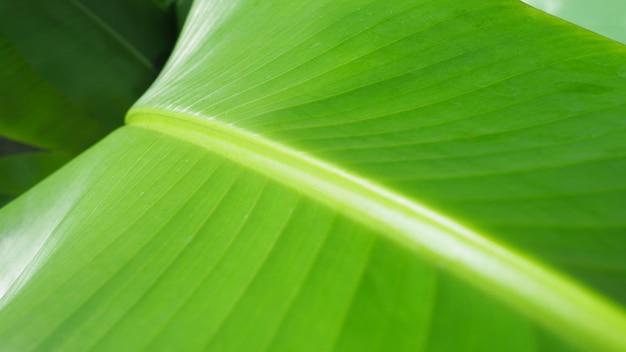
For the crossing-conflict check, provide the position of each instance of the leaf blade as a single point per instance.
(301, 100)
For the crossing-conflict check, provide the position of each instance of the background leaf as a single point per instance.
(71, 69)
(84, 61)
(18, 172)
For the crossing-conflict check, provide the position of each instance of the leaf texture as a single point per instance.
(372, 175)
(494, 113)
(204, 251)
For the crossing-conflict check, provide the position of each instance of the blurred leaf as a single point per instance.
(35, 112)
(607, 17)
(72, 68)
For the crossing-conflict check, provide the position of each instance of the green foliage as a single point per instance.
(324, 175)
(70, 70)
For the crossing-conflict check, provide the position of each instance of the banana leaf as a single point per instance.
(372, 175)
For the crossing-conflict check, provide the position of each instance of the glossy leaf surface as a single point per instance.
(371, 175)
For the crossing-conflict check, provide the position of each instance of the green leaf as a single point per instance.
(70, 71)
(18, 172)
(366, 175)
(83, 63)
(41, 123)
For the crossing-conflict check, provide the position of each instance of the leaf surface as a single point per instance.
(378, 175)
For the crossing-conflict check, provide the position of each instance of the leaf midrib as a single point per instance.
(574, 312)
